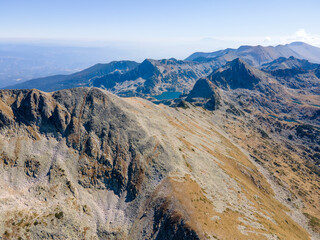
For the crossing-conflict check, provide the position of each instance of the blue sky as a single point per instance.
(160, 27)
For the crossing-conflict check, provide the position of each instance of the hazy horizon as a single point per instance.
(42, 38)
(137, 51)
(159, 29)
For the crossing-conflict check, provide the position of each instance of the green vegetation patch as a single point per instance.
(313, 222)
(59, 215)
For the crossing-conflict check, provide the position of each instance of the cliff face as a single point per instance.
(236, 74)
(204, 93)
(85, 164)
(77, 141)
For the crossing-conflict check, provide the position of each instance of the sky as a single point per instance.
(160, 28)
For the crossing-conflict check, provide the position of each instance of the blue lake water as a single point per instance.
(167, 95)
(289, 120)
(282, 119)
(273, 116)
(297, 102)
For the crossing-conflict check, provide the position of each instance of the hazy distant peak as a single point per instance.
(297, 44)
(289, 63)
(258, 55)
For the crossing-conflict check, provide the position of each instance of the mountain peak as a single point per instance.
(203, 88)
(204, 93)
(147, 61)
(238, 62)
(237, 65)
(236, 74)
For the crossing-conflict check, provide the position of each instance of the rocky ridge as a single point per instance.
(78, 79)
(125, 78)
(85, 164)
(152, 77)
(278, 124)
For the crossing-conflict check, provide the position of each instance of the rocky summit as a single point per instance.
(235, 155)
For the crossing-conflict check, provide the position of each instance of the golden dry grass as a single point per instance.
(204, 218)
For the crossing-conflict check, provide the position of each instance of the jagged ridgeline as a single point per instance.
(233, 153)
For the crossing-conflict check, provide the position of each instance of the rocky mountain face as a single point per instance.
(289, 63)
(283, 79)
(258, 55)
(204, 94)
(237, 74)
(275, 117)
(78, 79)
(85, 164)
(295, 73)
(151, 77)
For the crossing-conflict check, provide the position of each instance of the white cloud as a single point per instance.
(302, 36)
(267, 39)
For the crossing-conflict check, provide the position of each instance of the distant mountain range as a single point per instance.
(129, 78)
(77, 79)
(156, 76)
(153, 77)
(257, 55)
(21, 62)
(286, 63)
(273, 79)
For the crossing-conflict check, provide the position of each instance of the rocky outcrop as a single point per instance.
(236, 74)
(203, 88)
(111, 150)
(94, 126)
(204, 93)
